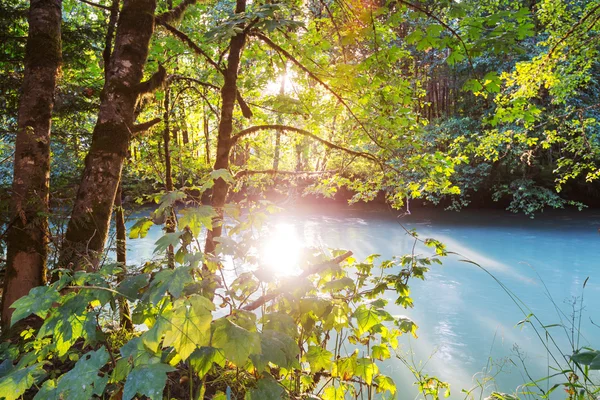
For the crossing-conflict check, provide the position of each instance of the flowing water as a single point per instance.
(468, 325)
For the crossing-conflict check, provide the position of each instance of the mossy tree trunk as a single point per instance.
(27, 238)
(88, 227)
(228, 98)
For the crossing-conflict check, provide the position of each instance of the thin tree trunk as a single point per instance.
(228, 98)
(124, 311)
(90, 218)
(205, 127)
(170, 222)
(27, 238)
(279, 122)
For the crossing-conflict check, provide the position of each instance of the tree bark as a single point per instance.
(90, 218)
(27, 238)
(228, 98)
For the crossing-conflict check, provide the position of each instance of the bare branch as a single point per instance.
(286, 288)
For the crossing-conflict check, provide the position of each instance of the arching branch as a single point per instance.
(285, 128)
(280, 172)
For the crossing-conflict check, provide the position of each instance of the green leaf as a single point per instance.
(276, 348)
(39, 300)
(266, 389)
(171, 280)
(131, 286)
(318, 358)
(140, 228)
(380, 352)
(13, 385)
(236, 342)
(189, 325)
(168, 239)
(366, 369)
(337, 285)
(147, 380)
(138, 354)
(196, 218)
(385, 383)
(83, 382)
(585, 357)
(203, 358)
(222, 174)
(121, 371)
(366, 318)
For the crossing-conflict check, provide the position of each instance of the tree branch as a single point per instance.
(285, 128)
(144, 126)
(175, 14)
(315, 269)
(96, 5)
(449, 29)
(280, 50)
(246, 111)
(190, 43)
(573, 28)
(278, 171)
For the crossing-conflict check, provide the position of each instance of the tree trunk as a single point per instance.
(228, 98)
(90, 218)
(124, 311)
(170, 222)
(279, 122)
(27, 238)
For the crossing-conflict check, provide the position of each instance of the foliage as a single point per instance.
(244, 335)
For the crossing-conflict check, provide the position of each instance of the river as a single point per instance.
(469, 327)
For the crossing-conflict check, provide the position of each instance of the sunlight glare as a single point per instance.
(273, 88)
(281, 252)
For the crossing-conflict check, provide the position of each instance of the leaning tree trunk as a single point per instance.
(90, 218)
(27, 237)
(228, 98)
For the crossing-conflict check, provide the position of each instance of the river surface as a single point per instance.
(469, 327)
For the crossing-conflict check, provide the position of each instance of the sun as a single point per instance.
(280, 253)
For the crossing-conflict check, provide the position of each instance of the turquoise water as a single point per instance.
(468, 326)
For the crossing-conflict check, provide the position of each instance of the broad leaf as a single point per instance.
(39, 300)
(147, 380)
(236, 342)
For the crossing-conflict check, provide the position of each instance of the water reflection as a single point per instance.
(468, 326)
